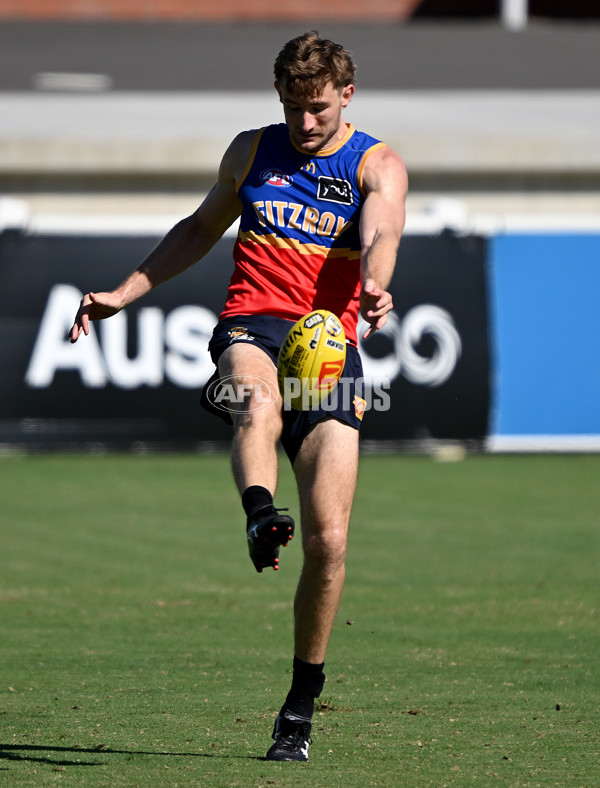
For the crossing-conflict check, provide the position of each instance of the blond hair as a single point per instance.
(306, 64)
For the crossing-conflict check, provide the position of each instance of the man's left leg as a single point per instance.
(326, 469)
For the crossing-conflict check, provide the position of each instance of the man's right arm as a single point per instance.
(182, 246)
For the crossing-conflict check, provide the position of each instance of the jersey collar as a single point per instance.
(333, 148)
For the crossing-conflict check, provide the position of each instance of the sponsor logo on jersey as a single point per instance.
(295, 216)
(334, 190)
(276, 178)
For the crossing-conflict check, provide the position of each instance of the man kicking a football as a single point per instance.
(321, 209)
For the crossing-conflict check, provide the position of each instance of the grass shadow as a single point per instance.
(25, 752)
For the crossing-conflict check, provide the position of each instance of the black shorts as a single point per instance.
(345, 403)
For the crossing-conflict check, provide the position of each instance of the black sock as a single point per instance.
(307, 684)
(255, 498)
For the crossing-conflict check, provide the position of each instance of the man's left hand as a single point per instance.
(375, 304)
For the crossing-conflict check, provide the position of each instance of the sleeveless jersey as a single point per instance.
(298, 246)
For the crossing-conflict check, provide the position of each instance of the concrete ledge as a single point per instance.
(451, 132)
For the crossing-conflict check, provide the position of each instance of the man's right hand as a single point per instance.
(94, 306)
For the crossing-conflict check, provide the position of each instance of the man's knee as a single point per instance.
(264, 421)
(326, 548)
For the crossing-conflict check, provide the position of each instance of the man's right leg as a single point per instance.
(257, 426)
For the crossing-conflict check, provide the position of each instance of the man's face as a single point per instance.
(315, 123)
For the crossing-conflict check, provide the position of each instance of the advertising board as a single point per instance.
(136, 379)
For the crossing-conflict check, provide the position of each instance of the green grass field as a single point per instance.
(138, 647)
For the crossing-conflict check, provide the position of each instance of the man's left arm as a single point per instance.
(385, 183)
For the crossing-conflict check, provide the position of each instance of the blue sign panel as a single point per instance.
(545, 299)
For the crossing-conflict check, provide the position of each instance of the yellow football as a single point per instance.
(311, 360)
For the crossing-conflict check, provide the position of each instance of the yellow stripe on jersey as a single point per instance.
(334, 148)
(270, 239)
(251, 157)
(363, 161)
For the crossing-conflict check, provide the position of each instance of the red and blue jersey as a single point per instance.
(298, 246)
